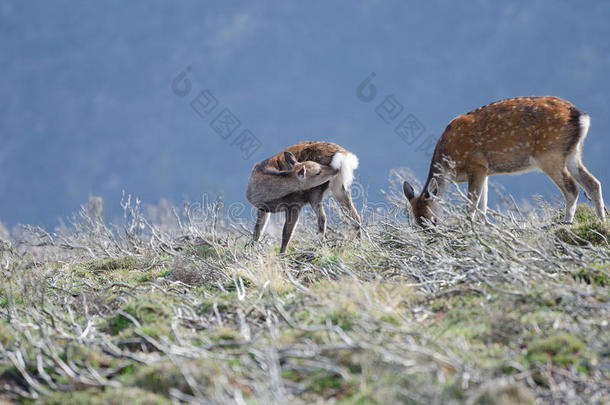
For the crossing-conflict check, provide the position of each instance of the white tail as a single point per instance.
(346, 163)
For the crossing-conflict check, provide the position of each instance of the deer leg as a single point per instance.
(591, 185)
(316, 201)
(483, 198)
(261, 223)
(568, 186)
(344, 197)
(477, 181)
(292, 217)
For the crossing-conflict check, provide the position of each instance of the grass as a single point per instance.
(498, 313)
(596, 274)
(561, 349)
(586, 228)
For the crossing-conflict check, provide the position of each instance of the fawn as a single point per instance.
(510, 136)
(271, 189)
(273, 178)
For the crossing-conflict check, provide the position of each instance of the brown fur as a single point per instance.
(317, 152)
(267, 182)
(510, 136)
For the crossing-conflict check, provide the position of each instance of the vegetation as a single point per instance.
(504, 310)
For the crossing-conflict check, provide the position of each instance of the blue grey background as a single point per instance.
(88, 108)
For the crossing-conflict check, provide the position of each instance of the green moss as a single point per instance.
(562, 349)
(542, 317)
(585, 214)
(224, 334)
(596, 276)
(302, 315)
(165, 375)
(120, 322)
(321, 382)
(538, 298)
(330, 259)
(121, 263)
(204, 251)
(453, 391)
(128, 370)
(129, 395)
(583, 367)
(596, 234)
(465, 314)
(391, 319)
(360, 398)
(152, 316)
(345, 320)
(4, 301)
(587, 228)
(159, 379)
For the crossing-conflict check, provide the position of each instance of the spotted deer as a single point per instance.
(270, 191)
(510, 136)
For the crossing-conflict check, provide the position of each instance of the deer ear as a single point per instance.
(290, 159)
(302, 173)
(408, 190)
(432, 188)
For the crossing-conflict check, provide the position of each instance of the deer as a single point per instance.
(273, 178)
(272, 187)
(509, 136)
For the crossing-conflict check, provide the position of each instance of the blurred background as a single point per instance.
(96, 96)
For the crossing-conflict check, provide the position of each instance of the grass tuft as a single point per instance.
(587, 228)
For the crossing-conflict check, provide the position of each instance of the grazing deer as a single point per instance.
(510, 136)
(270, 190)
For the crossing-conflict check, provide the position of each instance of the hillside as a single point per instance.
(188, 309)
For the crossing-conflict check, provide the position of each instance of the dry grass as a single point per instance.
(512, 309)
